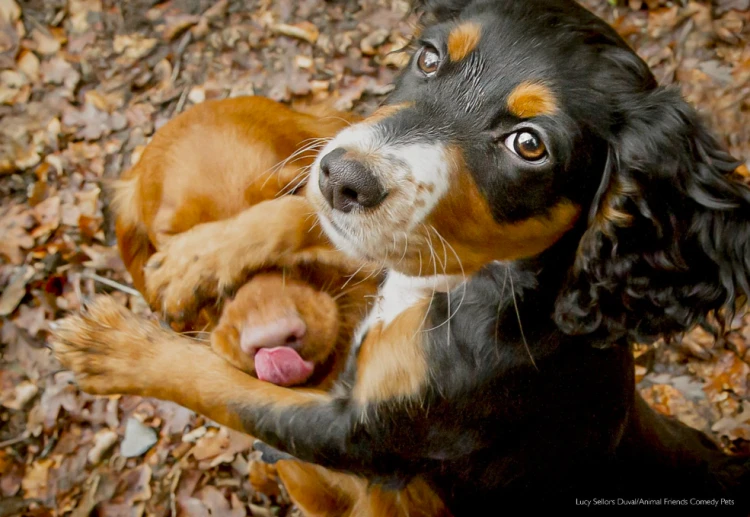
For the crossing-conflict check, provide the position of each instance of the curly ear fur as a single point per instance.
(668, 240)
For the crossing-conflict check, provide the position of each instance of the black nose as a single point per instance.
(347, 183)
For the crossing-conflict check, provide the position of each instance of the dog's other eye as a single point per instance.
(428, 60)
(527, 144)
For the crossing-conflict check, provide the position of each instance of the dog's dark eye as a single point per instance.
(428, 60)
(527, 144)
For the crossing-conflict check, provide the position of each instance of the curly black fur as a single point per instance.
(669, 239)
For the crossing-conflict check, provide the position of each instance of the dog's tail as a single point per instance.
(132, 235)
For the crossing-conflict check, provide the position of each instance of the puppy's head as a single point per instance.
(484, 151)
(281, 329)
(516, 123)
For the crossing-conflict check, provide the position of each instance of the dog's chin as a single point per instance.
(339, 237)
(347, 242)
(386, 248)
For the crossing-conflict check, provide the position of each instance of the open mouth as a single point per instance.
(275, 348)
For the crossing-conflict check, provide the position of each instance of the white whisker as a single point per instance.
(406, 248)
(315, 145)
(353, 275)
(333, 117)
(296, 181)
(520, 326)
(463, 281)
(420, 328)
(499, 307)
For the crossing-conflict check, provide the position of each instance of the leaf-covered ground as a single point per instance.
(83, 86)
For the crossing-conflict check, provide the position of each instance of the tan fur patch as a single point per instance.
(384, 112)
(464, 219)
(319, 492)
(530, 99)
(463, 39)
(391, 364)
(611, 214)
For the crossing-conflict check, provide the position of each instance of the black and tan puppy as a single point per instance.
(540, 203)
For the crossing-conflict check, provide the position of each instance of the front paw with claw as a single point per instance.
(211, 260)
(187, 273)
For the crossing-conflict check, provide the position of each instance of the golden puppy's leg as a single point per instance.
(319, 492)
(196, 266)
(112, 351)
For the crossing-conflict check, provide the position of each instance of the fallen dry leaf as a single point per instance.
(104, 440)
(304, 30)
(20, 396)
(14, 226)
(15, 290)
(9, 11)
(34, 484)
(220, 446)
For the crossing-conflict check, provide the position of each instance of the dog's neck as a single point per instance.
(399, 292)
(535, 283)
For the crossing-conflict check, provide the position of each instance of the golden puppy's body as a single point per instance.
(211, 163)
(227, 164)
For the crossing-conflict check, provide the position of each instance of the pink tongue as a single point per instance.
(282, 365)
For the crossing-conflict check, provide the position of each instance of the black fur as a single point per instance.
(531, 395)
(680, 247)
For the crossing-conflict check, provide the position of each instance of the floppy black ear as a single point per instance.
(668, 240)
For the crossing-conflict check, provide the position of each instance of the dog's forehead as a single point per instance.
(495, 48)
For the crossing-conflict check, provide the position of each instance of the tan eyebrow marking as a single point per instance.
(531, 99)
(463, 39)
(386, 111)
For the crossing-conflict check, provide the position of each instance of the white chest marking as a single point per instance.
(398, 293)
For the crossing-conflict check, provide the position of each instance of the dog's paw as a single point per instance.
(187, 273)
(107, 347)
(213, 259)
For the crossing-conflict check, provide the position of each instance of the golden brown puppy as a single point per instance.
(210, 163)
(291, 322)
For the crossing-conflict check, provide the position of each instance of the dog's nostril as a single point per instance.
(349, 193)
